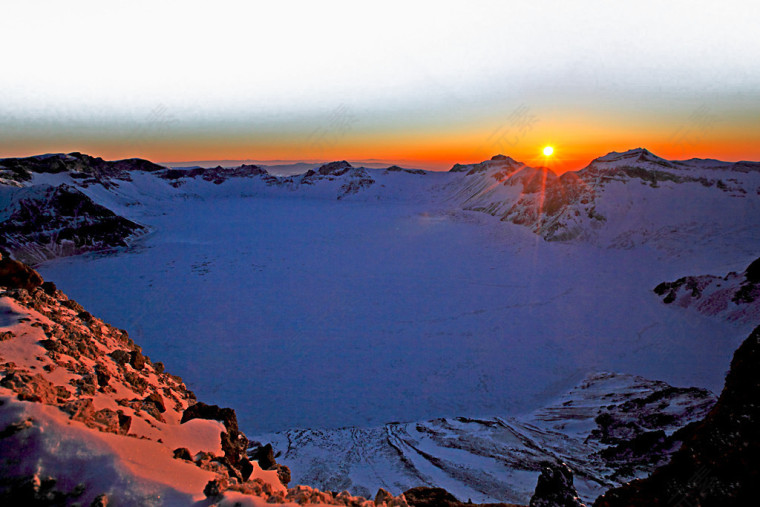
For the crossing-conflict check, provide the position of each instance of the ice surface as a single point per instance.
(320, 313)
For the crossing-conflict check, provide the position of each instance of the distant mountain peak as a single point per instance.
(335, 168)
(497, 161)
(637, 154)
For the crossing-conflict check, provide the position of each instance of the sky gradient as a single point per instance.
(427, 84)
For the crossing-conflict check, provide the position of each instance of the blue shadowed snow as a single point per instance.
(317, 313)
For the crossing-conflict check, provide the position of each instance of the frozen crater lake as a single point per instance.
(322, 313)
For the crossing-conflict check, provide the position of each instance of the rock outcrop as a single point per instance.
(43, 222)
(555, 488)
(734, 296)
(719, 465)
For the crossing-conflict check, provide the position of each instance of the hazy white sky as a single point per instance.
(283, 66)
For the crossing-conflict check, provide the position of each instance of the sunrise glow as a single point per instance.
(548, 151)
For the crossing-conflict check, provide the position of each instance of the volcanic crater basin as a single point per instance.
(322, 314)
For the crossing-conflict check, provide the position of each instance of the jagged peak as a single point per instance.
(497, 161)
(335, 168)
(636, 154)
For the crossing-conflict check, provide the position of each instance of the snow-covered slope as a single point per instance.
(609, 429)
(620, 200)
(734, 297)
(41, 222)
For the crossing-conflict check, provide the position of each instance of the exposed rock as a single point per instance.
(183, 453)
(430, 497)
(100, 501)
(234, 443)
(555, 488)
(17, 427)
(214, 488)
(735, 297)
(31, 387)
(16, 275)
(80, 409)
(752, 273)
(137, 360)
(44, 222)
(335, 168)
(120, 356)
(720, 464)
(382, 496)
(157, 401)
(264, 455)
(102, 375)
(49, 288)
(75, 163)
(34, 490)
(201, 410)
(246, 469)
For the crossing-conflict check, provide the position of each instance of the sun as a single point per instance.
(548, 150)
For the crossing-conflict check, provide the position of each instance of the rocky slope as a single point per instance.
(609, 429)
(600, 202)
(734, 297)
(43, 222)
(85, 169)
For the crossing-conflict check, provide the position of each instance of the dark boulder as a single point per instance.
(85, 316)
(17, 275)
(246, 468)
(752, 273)
(49, 288)
(203, 411)
(264, 455)
(156, 400)
(213, 489)
(430, 497)
(120, 356)
(102, 375)
(137, 360)
(555, 488)
(183, 453)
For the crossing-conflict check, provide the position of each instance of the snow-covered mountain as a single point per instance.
(620, 200)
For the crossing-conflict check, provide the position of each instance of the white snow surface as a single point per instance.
(489, 459)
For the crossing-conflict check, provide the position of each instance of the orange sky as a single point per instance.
(577, 141)
(404, 84)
